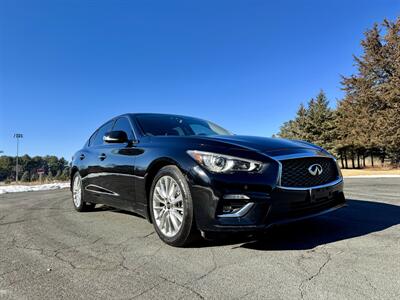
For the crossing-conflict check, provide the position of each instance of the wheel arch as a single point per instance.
(72, 173)
(151, 173)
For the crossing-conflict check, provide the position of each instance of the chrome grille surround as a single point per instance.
(307, 160)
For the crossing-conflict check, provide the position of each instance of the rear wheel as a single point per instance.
(171, 207)
(78, 195)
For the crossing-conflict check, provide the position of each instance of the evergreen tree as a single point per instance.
(314, 123)
(6, 167)
(295, 129)
(369, 115)
(320, 122)
(31, 165)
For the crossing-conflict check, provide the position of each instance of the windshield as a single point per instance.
(165, 125)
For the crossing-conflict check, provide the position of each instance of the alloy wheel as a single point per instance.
(77, 191)
(168, 206)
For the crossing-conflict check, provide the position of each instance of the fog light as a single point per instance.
(236, 197)
(237, 213)
(226, 209)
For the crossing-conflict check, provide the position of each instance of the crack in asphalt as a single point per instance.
(149, 234)
(57, 252)
(64, 260)
(214, 267)
(122, 262)
(366, 279)
(184, 286)
(165, 279)
(35, 219)
(140, 257)
(146, 291)
(48, 208)
(315, 275)
(131, 260)
(95, 268)
(13, 222)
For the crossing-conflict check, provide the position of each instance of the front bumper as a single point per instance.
(274, 206)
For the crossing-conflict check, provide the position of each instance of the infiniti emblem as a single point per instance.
(315, 169)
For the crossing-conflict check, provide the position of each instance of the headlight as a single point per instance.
(220, 163)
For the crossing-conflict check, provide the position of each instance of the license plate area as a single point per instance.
(317, 195)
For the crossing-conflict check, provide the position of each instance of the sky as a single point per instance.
(66, 67)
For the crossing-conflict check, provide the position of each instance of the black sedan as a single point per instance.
(187, 175)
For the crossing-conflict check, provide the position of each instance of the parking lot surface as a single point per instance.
(48, 251)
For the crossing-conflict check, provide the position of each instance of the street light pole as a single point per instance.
(17, 136)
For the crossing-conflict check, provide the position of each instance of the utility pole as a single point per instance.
(17, 136)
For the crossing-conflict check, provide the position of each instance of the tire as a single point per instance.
(78, 195)
(173, 219)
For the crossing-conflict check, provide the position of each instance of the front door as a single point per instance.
(118, 164)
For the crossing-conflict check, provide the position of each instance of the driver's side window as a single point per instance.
(123, 124)
(98, 139)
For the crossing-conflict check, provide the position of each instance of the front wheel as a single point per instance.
(171, 207)
(77, 195)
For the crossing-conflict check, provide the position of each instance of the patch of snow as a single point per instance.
(33, 188)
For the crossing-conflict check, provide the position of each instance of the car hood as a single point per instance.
(269, 146)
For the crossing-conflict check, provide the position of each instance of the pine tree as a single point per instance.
(320, 122)
(314, 123)
(294, 129)
(369, 115)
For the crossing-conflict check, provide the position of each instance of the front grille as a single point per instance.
(295, 172)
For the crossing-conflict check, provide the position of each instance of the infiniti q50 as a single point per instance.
(189, 176)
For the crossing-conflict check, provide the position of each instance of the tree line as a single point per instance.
(366, 122)
(54, 168)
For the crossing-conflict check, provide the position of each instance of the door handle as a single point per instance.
(82, 156)
(102, 156)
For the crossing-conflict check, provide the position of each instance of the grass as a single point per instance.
(370, 171)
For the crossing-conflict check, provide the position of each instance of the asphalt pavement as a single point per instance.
(49, 251)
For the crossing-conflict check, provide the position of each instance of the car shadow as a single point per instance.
(359, 218)
(103, 207)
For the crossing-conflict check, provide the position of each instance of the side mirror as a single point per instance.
(117, 137)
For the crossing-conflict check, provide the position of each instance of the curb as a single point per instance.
(373, 176)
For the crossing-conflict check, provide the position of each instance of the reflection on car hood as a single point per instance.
(269, 146)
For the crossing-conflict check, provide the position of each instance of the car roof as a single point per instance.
(156, 114)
